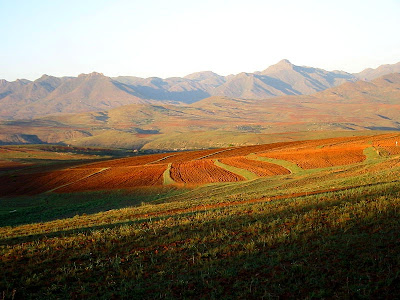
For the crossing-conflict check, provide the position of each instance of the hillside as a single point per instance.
(281, 79)
(50, 95)
(24, 99)
(219, 121)
(302, 219)
(370, 74)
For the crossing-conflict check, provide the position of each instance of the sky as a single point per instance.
(166, 38)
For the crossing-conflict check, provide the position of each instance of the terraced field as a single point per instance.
(259, 168)
(246, 150)
(201, 172)
(118, 178)
(131, 161)
(191, 167)
(181, 157)
(389, 145)
(321, 158)
(29, 184)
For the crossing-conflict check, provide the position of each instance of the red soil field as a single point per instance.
(260, 168)
(341, 142)
(200, 172)
(246, 150)
(129, 161)
(191, 155)
(6, 165)
(29, 184)
(192, 167)
(321, 158)
(390, 144)
(119, 178)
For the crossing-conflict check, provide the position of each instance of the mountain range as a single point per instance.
(219, 121)
(24, 99)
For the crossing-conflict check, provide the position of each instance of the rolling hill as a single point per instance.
(219, 121)
(370, 74)
(50, 95)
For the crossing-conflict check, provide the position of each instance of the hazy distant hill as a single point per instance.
(96, 92)
(381, 90)
(281, 79)
(219, 120)
(370, 74)
(49, 95)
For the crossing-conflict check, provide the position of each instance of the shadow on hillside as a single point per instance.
(391, 190)
(359, 261)
(159, 93)
(278, 84)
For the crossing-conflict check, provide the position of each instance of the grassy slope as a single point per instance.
(220, 139)
(167, 176)
(242, 172)
(254, 239)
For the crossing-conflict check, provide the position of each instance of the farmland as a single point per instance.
(319, 219)
(118, 178)
(320, 158)
(201, 171)
(389, 145)
(260, 168)
(41, 182)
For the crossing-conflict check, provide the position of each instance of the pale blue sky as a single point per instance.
(177, 37)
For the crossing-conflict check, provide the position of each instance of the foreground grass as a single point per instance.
(343, 244)
(47, 207)
(242, 172)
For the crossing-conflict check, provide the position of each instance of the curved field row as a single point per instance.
(295, 145)
(246, 150)
(29, 184)
(119, 178)
(201, 172)
(341, 142)
(193, 167)
(129, 161)
(179, 157)
(321, 158)
(336, 143)
(260, 168)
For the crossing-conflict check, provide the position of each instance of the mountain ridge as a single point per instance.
(24, 99)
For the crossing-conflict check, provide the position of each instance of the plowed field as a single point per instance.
(391, 145)
(28, 184)
(321, 158)
(246, 150)
(200, 172)
(130, 161)
(191, 155)
(119, 178)
(260, 168)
